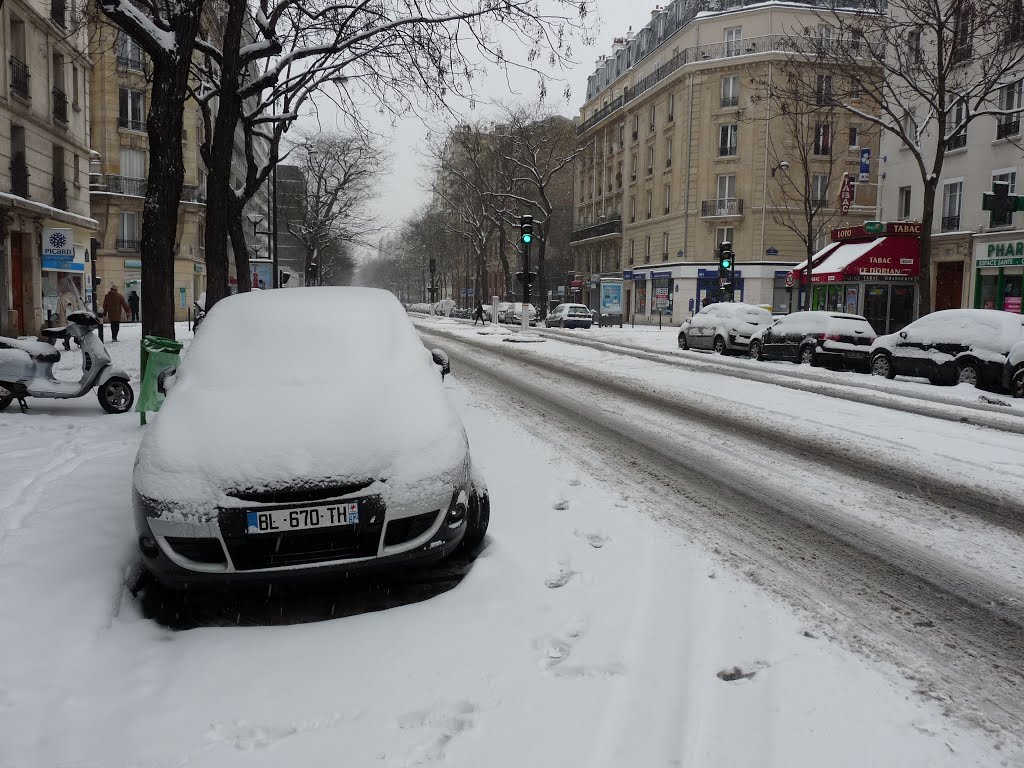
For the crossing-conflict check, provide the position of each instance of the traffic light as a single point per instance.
(526, 228)
(726, 261)
(531, 277)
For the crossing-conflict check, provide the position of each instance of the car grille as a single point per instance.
(408, 528)
(252, 551)
(298, 495)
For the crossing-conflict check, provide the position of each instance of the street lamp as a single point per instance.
(782, 166)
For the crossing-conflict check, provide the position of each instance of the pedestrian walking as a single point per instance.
(479, 313)
(113, 305)
(133, 303)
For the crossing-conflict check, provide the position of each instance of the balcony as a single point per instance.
(1008, 128)
(729, 101)
(120, 185)
(60, 194)
(723, 206)
(19, 78)
(60, 106)
(19, 176)
(129, 246)
(604, 229)
(956, 142)
(130, 124)
(950, 223)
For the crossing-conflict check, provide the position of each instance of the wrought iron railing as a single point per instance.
(1007, 128)
(723, 206)
(127, 245)
(950, 223)
(19, 77)
(613, 227)
(956, 142)
(130, 124)
(60, 105)
(729, 101)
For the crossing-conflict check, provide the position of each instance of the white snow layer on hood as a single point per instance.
(979, 329)
(305, 385)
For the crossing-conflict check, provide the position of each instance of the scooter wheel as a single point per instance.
(116, 396)
(6, 398)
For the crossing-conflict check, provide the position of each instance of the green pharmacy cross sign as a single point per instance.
(1001, 202)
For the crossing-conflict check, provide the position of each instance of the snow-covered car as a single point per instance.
(298, 439)
(951, 346)
(1013, 370)
(816, 338)
(514, 313)
(569, 316)
(723, 327)
(502, 312)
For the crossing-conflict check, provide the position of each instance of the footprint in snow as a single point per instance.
(447, 720)
(561, 505)
(245, 737)
(574, 482)
(560, 578)
(595, 540)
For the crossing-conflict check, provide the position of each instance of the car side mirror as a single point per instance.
(441, 360)
(903, 334)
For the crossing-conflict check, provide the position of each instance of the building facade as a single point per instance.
(681, 154)
(45, 222)
(119, 168)
(977, 256)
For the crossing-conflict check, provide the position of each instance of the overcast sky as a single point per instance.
(401, 193)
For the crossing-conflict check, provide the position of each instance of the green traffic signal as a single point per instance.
(726, 263)
(527, 238)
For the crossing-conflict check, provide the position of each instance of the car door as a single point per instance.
(914, 340)
(702, 328)
(555, 316)
(771, 342)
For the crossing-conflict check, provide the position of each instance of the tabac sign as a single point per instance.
(877, 228)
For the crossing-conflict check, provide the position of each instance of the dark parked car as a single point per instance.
(950, 347)
(569, 316)
(817, 338)
(1013, 373)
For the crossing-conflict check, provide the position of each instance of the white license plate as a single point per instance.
(278, 520)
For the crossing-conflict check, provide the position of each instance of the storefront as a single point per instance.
(65, 272)
(870, 272)
(998, 275)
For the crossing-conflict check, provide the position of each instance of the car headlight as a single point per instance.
(458, 509)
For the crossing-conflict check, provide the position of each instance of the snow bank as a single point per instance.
(321, 386)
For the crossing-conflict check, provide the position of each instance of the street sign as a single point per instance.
(846, 195)
(790, 280)
(874, 227)
(771, 251)
(865, 164)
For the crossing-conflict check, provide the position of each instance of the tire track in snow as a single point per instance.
(947, 631)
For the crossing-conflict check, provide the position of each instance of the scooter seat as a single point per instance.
(37, 350)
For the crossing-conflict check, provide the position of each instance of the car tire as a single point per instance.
(478, 519)
(116, 396)
(6, 399)
(719, 347)
(754, 351)
(806, 355)
(1016, 384)
(968, 373)
(882, 365)
(683, 343)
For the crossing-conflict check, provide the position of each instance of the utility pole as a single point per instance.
(526, 234)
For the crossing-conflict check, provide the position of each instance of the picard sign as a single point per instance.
(888, 229)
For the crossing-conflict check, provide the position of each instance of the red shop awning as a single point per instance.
(883, 256)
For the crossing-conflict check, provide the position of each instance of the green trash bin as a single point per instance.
(156, 355)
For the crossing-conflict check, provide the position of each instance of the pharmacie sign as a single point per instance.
(1008, 254)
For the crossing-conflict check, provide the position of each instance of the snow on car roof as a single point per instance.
(318, 384)
(978, 328)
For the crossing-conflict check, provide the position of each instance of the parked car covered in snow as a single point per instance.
(951, 346)
(816, 338)
(569, 316)
(723, 327)
(502, 311)
(326, 445)
(514, 313)
(1013, 370)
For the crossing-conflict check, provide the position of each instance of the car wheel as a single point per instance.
(116, 396)
(683, 343)
(6, 398)
(754, 350)
(881, 365)
(477, 521)
(719, 347)
(1016, 384)
(968, 373)
(806, 355)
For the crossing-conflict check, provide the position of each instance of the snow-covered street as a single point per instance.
(598, 627)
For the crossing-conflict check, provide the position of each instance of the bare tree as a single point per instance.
(797, 106)
(932, 67)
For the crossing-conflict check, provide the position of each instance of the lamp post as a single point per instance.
(782, 166)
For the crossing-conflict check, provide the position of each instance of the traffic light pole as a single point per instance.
(526, 286)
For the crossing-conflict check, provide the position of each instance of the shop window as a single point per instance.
(1012, 293)
(989, 291)
(640, 289)
(780, 294)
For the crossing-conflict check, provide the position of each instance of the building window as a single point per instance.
(1007, 178)
(647, 250)
(723, 235)
(632, 210)
(668, 197)
(650, 160)
(668, 152)
(653, 115)
(129, 53)
(963, 32)
(75, 103)
(664, 246)
(952, 195)
(632, 254)
(727, 139)
(822, 139)
(58, 12)
(1010, 98)
(60, 187)
(128, 239)
(622, 135)
(636, 127)
(903, 204)
(132, 110)
(819, 190)
(824, 90)
(733, 41)
(730, 91)
(854, 137)
(77, 167)
(19, 165)
(909, 123)
(914, 46)
(650, 203)
(726, 187)
(671, 108)
(618, 175)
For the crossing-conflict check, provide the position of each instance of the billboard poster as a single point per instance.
(611, 298)
(59, 253)
(262, 274)
(865, 165)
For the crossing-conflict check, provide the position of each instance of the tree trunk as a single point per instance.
(238, 245)
(810, 266)
(503, 258)
(927, 216)
(219, 195)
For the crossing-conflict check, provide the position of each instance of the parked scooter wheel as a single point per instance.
(6, 398)
(116, 396)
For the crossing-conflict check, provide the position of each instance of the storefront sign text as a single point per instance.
(58, 251)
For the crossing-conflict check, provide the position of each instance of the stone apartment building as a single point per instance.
(45, 222)
(679, 155)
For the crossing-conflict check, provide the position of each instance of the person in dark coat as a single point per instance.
(113, 305)
(133, 303)
(479, 313)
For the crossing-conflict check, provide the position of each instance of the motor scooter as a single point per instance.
(26, 368)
